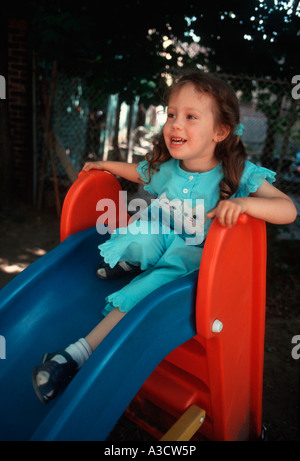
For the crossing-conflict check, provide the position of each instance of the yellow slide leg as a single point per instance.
(186, 426)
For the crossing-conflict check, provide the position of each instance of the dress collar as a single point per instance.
(185, 173)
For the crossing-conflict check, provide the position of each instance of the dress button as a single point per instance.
(191, 178)
(185, 191)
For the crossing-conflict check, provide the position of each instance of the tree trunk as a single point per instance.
(48, 141)
(116, 149)
(269, 144)
(6, 160)
(64, 159)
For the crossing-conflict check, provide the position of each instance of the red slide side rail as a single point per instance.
(80, 206)
(233, 275)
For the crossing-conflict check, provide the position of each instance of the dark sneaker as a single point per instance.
(121, 269)
(50, 378)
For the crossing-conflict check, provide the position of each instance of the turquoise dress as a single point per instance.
(167, 241)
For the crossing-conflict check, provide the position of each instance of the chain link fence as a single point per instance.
(86, 124)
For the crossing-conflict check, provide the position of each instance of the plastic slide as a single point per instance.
(166, 355)
(55, 301)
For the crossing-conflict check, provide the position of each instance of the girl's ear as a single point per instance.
(221, 133)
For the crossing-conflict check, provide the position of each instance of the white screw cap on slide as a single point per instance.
(217, 326)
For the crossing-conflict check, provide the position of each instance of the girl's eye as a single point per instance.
(170, 115)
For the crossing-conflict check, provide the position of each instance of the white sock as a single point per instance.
(79, 351)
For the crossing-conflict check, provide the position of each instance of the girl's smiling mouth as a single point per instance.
(177, 141)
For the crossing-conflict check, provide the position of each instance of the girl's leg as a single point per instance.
(58, 369)
(177, 260)
(101, 330)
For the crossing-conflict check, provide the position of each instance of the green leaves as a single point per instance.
(121, 43)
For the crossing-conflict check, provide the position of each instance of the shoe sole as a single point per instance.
(36, 387)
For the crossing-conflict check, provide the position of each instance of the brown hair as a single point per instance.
(231, 151)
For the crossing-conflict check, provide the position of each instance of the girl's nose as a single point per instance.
(177, 123)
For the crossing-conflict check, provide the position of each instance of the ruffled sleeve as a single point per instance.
(252, 179)
(143, 171)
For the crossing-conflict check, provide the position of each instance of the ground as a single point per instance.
(27, 234)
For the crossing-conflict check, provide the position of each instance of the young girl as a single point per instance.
(199, 160)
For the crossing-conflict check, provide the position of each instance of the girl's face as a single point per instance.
(190, 132)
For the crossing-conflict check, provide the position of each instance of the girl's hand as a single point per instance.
(93, 166)
(228, 211)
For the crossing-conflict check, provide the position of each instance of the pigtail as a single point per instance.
(233, 155)
(159, 155)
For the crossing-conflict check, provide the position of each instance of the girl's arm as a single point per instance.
(267, 203)
(123, 169)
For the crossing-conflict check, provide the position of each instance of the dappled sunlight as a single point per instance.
(12, 268)
(36, 251)
(25, 236)
(16, 265)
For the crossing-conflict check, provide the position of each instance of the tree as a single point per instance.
(255, 38)
(112, 39)
(120, 44)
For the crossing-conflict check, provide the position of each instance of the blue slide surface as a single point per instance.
(59, 299)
